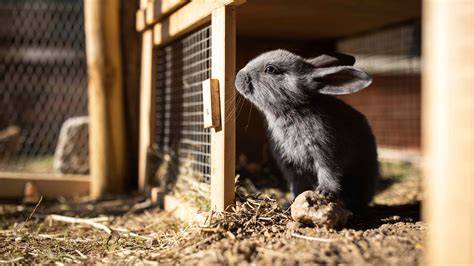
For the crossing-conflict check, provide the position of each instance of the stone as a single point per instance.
(72, 152)
(314, 209)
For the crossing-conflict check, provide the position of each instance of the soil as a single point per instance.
(258, 231)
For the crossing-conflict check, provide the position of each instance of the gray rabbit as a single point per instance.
(319, 142)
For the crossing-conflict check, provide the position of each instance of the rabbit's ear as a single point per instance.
(340, 80)
(332, 59)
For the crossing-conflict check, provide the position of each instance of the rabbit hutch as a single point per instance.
(194, 125)
(193, 129)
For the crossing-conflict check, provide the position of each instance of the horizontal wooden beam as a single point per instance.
(158, 9)
(48, 185)
(187, 18)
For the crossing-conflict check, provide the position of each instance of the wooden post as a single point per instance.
(448, 129)
(146, 106)
(106, 134)
(223, 137)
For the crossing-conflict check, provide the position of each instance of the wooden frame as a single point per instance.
(187, 18)
(166, 28)
(49, 186)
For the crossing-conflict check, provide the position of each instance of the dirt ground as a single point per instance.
(131, 230)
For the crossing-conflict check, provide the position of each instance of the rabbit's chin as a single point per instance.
(246, 90)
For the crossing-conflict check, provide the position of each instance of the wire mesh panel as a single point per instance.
(43, 82)
(180, 137)
(392, 103)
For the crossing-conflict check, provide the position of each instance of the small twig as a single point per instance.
(11, 261)
(128, 233)
(84, 257)
(99, 219)
(52, 237)
(138, 207)
(31, 214)
(34, 210)
(312, 238)
(73, 220)
(208, 220)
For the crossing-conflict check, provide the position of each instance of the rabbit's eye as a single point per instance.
(271, 69)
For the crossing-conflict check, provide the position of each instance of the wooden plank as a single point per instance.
(106, 110)
(158, 9)
(49, 186)
(223, 137)
(211, 103)
(146, 107)
(140, 22)
(448, 130)
(303, 19)
(187, 18)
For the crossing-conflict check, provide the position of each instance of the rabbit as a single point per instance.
(319, 142)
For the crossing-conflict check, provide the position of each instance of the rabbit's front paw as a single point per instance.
(326, 193)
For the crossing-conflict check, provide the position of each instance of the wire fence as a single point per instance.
(180, 137)
(393, 102)
(43, 82)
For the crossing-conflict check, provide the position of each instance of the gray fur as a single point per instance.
(319, 142)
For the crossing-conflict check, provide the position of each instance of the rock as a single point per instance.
(9, 139)
(72, 151)
(312, 208)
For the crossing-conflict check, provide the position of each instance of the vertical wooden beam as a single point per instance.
(146, 105)
(448, 129)
(223, 137)
(107, 150)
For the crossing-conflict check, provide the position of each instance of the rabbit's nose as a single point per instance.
(242, 81)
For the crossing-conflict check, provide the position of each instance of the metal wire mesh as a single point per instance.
(179, 130)
(393, 102)
(43, 79)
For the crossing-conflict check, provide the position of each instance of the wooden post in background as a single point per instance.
(448, 130)
(106, 130)
(146, 106)
(130, 43)
(223, 137)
